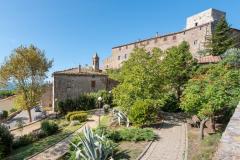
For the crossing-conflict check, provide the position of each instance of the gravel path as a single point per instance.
(61, 148)
(171, 144)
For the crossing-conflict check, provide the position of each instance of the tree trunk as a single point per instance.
(29, 114)
(202, 124)
(212, 124)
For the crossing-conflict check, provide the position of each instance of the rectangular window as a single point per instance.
(93, 84)
(126, 47)
(155, 40)
(165, 39)
(119, 57)
(196, 24)
(195, 42)
(184, 33)
(125, 56)
(174, 38)
(119, 48)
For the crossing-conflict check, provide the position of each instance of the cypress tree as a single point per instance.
(221, 39)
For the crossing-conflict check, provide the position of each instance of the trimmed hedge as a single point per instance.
(82, 117)
(73, 113)
(4, 114)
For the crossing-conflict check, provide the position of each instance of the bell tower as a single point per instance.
(95, 61)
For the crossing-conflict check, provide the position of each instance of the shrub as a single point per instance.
(137, 134)
(49, 127)
(143, 112)
(81, 117)
(72, 113)
(126, 134)
(6, 93)
(23, 141)
(12, 110)
(4, 114)
(83, 102)
(6, 140)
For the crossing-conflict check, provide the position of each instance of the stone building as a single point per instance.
(70, 83)
(198, 28)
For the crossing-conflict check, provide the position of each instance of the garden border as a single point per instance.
(29, 157)
(145, 150)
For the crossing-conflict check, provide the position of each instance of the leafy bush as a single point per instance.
(81, 117)
(6, 93)
(12, 110)
(49, 127)
(143, 112)
(23, 141)
(137, 134)
(127, 134)
(4, 114)
(6, 140)
(106, 96)
(69, 114)
(83, 102)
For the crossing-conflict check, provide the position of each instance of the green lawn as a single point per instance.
(40, 145)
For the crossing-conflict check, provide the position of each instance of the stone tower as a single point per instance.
(95, 62)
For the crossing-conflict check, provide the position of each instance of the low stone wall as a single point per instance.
(229, 147)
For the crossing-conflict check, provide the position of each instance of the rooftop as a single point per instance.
(79, 71)
(208, 59)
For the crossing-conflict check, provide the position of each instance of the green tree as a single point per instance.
(27, 67)
(177, 67)
(221, 39)
(212, 89)
(141, 79)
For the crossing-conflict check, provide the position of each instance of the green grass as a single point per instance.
(40, 145)
(207, 147)
(105, 120)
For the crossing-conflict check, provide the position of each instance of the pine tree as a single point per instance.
(221, 39)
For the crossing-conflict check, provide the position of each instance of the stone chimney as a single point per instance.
(95, 62)
(156, 34)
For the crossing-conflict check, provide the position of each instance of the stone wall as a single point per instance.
(229, 147)
(71, 86)
(196, 37)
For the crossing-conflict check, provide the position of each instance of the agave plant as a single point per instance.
(120, 117)
(93, 146)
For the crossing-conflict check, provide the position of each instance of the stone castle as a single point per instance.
(198, 28)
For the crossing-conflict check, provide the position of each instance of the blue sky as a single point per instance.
(70, 31)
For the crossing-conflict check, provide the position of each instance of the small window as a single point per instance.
(107, 66)
(125, 56)
(184, 33)
(93, 84)
(165, 39)
(196, 24)
(119, 48)
(155, 40)
(174, 38)
(119, 57)
(200, 28)
(147, 42)
(195, 42)
(126, 46)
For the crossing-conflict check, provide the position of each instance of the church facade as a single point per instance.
(198, 28)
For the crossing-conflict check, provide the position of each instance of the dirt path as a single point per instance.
(27, 129)
(61, 148)
(172, 141)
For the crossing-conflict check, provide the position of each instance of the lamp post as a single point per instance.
(99, 107)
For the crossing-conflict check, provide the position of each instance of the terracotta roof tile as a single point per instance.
(208, 59)
(75, 71)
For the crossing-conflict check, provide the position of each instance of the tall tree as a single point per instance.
(212, 89)
(27, 67)
(177, 67)
(222, 38)
(140, 79)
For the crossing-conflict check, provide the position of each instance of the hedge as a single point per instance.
(73, 113)
(81, 117)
